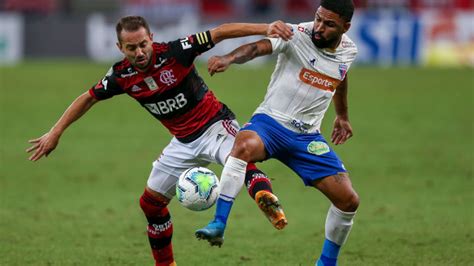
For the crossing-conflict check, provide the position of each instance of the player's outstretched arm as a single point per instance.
(242, 54)
(45, 144)
(234, 30)
(342, 130)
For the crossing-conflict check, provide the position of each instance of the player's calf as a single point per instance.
(256, 180)
(340, 217)
(160, 228)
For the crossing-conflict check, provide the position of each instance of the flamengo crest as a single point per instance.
(167, 77)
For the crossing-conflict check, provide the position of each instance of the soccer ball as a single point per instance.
(197, 188)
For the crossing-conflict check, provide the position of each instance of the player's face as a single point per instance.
(328, 28)
(137, 47)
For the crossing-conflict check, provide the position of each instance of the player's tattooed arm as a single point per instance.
(249, 51)
(240, 55)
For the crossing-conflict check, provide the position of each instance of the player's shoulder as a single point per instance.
(303, 28)
(122, 69)
(347, 49)
(161, 47)
(347, 46)
(301, 33)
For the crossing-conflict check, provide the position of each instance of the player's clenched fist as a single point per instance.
(217, 64)
(279, 29)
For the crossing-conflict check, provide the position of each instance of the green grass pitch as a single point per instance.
(411, 161)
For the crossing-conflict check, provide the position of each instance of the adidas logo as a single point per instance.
(135, 88)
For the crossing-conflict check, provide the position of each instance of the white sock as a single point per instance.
(232, 178)
(338, 225)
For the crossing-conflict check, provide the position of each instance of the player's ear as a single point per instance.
(151, 37)
(119, 45)
(347, 26)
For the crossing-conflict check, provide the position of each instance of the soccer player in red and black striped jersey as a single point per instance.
(163, 79)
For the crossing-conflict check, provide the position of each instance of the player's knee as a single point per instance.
(351, 203)
(153, 206)
(243, 150)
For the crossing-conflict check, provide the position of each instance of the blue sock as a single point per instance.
(325, 261)
(222, 210)
(330, 253)
(330, 249)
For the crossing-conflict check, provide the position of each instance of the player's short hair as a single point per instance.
(344, 8)
(131, 23)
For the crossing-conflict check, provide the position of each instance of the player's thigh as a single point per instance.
(311, 158)
(216, 144)
(219, 141)
(174, 160)
(262, 138)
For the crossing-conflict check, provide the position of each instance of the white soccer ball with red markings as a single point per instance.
(197, 188)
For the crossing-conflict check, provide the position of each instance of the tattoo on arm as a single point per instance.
(244, 53)
(249, 51)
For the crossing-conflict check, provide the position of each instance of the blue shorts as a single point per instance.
(308, 155)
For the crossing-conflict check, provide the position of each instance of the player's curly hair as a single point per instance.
(131, 23)
(344, 8)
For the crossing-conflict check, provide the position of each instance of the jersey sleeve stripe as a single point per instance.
(199, 38)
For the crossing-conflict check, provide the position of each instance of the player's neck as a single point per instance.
(145, 69)
(333, 47)
(330, 46)
(148, 66)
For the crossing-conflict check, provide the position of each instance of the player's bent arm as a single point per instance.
(240, 55)
(249, 51)
(235, 30)
(77, 108)
(340, 99)
(43, 145)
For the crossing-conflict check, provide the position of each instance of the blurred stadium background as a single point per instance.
(388, 32)
(411, 159)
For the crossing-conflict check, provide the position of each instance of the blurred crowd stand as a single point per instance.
(388, 32)
(167, 9)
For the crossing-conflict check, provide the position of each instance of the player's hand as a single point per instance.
(279, 29)
(42, 146)
(342, 130)
(217, 64)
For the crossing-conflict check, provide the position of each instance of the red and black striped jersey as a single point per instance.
(171, 89)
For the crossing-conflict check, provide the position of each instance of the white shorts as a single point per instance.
(211, 147)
